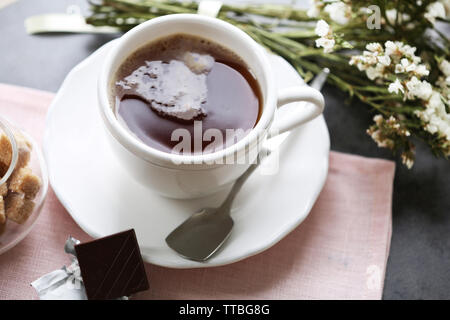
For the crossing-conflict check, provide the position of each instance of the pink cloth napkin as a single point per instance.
(339, 252)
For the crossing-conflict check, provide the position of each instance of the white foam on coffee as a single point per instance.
(177, 88)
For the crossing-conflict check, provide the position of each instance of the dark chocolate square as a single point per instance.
(112, 266)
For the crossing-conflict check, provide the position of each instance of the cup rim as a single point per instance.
(151, 154)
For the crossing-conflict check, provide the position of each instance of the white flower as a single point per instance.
(378, 64)
(436, 117)
(395, 87)
(399, 68)
(359, 63)
(405, 62)
(384, 60)
(416, 59)
(435, 10)
(416, 88)
(421, 70)
(339, 12)
(391, 48)
(412, 85)
(374, 47)
(407, 161)
(408, 50)
(373, 73)
(322, 28)
(398, 48)
(379, 139)
(407, 65)
(392, 16)
(326, 36)
(361, 66)
(378, 119)
(376, 136)
(314, 10)
(436, 103)
(431, 128)
(370, 55)
(425, 90)
(327, 44)
(445, 67)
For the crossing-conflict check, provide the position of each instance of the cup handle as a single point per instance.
(306, 111)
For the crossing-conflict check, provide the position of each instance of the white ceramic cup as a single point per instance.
(192, 176)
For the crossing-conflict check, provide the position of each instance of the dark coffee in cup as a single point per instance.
(186, 87)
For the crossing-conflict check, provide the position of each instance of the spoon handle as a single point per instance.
(242, 179)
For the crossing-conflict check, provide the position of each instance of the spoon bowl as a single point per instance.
(200, 236)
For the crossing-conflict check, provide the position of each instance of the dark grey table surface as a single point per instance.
(419, 261)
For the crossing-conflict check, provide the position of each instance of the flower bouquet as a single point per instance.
(392, 55)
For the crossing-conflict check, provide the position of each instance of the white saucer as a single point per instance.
(104, 199)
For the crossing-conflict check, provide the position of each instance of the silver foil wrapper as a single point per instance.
(65, 283)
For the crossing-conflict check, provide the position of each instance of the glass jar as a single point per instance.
(11, 232)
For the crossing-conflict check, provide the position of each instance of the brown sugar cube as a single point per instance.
(23, 148)
(13, 202)
(3, 189)
(5, 153)
(26, 211)
(18, 208)
(22, 141)
(24, 181)
(2, 211)
(24, 156)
